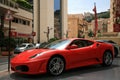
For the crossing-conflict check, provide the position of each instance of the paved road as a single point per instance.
(85, 73)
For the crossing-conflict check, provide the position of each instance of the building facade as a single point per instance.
(72, 27)
(44, 19)
(103, 25)
(77, 26)
(21, 24)
(114, 16)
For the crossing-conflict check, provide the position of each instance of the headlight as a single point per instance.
(36, 55)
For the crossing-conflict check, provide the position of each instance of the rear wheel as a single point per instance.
(107, 58)
(56, 66)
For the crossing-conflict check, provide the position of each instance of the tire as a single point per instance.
(56, 66)
(107, 58)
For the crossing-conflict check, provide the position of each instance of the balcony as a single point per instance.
(8, 4)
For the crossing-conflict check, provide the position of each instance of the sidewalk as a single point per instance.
(3, 64)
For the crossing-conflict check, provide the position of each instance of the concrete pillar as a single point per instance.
(36, 22)
(110, 28)
(43, 18)
(64, 18)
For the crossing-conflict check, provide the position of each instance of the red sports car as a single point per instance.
(62, 55)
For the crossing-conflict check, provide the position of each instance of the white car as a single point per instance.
(23, 47)
(37, 45)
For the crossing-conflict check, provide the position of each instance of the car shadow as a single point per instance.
(69, 73)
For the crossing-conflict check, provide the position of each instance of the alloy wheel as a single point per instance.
(56, 66)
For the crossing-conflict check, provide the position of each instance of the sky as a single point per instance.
(56, 4)
(81, 6)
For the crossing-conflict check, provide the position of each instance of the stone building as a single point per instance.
(77, 26)
(114, 16)
(44, 19)
(21, 24)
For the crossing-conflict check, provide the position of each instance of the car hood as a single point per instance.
(19, 48)
(25, 56)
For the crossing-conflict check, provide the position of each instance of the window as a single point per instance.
(28, 23)
(82, 43)
(21, 21)
(24, 22)
(16, 20)
(30, 46)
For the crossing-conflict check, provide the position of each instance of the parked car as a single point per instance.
(115, 45)
(37, 45)
(23, 47)
(40, 45)
(62, 55)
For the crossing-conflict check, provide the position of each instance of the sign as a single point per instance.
(8, 15)
(13, 34)
(23, 35)
(33, 33)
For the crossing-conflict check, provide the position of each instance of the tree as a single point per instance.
(24, 3)
(6, 42)
(89, 18)
(1, 37)
(90, 33)
(104, 14)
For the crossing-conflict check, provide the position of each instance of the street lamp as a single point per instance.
(9, 17)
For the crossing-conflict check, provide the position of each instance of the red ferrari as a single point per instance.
(62, 55)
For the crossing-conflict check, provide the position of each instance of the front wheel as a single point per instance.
(56, 66)
(107, 58)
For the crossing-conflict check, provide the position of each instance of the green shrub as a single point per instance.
(5, 44)
(52, 39)
(1, 37)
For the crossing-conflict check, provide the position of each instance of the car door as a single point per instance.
(83, 54)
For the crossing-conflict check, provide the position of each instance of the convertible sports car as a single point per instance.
(62, 55)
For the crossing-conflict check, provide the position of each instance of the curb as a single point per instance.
(5, 72)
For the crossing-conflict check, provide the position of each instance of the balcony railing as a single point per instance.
(9, 3)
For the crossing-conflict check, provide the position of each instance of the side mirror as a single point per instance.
(72, 47)
(98, 44)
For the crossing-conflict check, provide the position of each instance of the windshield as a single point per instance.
(59, 44)
(22, 45)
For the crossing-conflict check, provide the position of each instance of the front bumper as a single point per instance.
(30, 67)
